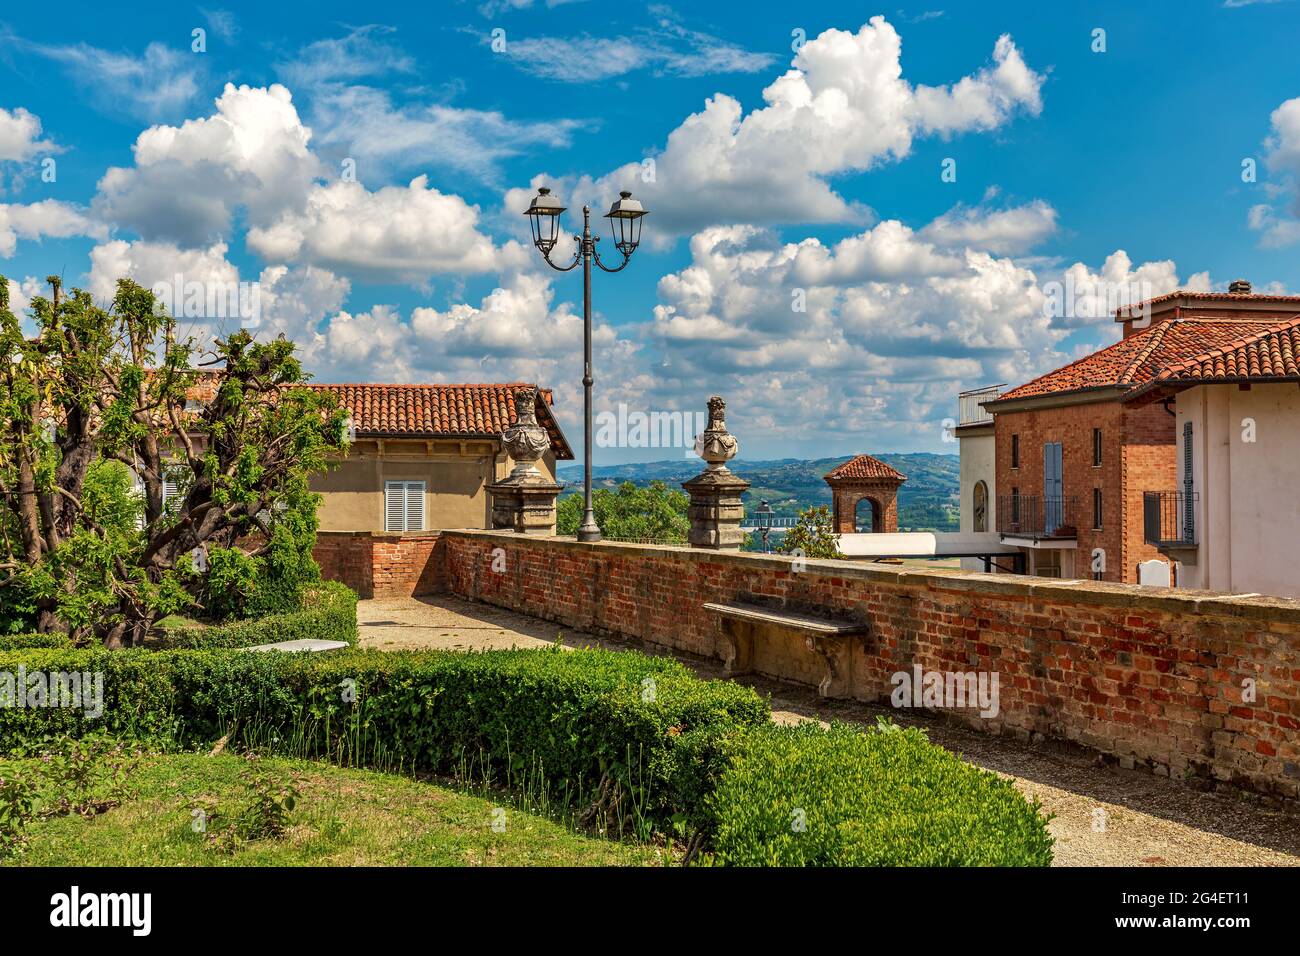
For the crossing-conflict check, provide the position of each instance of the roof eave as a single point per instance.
(1076, 396)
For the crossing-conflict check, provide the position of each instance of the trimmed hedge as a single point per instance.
(641, 736)
(17, 642)
(329, 613)
(805, 796)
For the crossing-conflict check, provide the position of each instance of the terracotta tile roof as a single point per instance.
(1269, 355)
(441, 411)
(1138, 359)
(1254, 298)
(864, 466)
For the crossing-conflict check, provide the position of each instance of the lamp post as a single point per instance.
(764, 514)
(625, 229)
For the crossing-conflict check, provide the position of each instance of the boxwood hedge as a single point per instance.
(328, 612)
(639, 737)
(806, 796)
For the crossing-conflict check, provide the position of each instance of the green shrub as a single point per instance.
(328, 612)
(634, 739)
(14, 642)
(804, 796)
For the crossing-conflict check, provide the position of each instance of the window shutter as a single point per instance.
(171, 488)
(404, 505)
(415, 506)
(394, 506)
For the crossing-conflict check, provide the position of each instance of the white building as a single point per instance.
(977, 448)
(1234, 521)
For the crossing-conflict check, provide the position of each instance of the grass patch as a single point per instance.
(343, 817)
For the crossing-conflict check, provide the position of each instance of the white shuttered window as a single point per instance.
(403, 505)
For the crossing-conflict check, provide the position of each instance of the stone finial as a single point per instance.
(717, 446)
(525, 440)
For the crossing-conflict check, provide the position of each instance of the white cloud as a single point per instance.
(667, 48)
(365, 51)
(843, 107)
(221, 22)
(156, 84)
(49, 218)
(20, 136)
(1278, 229)
(22, 293)
(894, 327)
(189, 180)
(363, 124)
(393, 234)
(1005, 231)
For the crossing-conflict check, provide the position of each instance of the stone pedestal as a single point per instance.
(716, 510)
(524, 507)
(524, 501)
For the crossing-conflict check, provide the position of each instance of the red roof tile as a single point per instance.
(864, 466)
(1138, 359)
(1272, 354)
(441, 411)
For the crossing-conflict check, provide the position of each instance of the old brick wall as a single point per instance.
(381, 565)
(1148, 677)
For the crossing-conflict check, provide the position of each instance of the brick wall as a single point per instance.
(1138, 455)
(1147, 677)
(381, 565)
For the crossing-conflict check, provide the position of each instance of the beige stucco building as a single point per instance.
(422, 455)
(1234, 520)
(1234, 517)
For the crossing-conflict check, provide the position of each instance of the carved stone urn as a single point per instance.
(717, 446)
(716, 508)
(525, 440)
(524, 501)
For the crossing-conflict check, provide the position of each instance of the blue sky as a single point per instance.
(779, 176)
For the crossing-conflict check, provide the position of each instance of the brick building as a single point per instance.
(865, 479)
(1073, 459)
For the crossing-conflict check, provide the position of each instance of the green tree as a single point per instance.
(654, 512)
(813, 536)
(238, 441)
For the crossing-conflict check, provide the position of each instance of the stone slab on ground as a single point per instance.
(1104, 815)
(304, 645)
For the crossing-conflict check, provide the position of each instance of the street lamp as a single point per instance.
(625, 229)
(764, 514)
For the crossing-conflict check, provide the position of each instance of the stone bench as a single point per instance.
(832, 640)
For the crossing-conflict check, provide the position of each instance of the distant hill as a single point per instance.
(928, 500)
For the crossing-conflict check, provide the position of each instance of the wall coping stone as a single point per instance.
(1146, 599)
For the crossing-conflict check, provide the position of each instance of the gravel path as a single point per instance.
(1104, 816)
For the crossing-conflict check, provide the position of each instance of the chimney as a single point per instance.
(1239, 287)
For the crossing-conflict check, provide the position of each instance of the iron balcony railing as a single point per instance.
(969, 410)
(1038, 515)
(1169, 518)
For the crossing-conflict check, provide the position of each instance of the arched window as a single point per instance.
(981, 509)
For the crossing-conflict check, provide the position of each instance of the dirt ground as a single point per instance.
(1103, 815)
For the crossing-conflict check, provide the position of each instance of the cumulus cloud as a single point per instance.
(49, 218)
(872, 335)
(392, 234)
(844, 106)
(20, 136)
(1006, 231)
(22, 293)
(188, 181)
(1279, 228)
